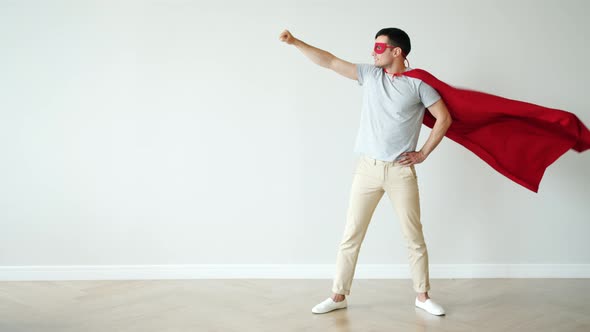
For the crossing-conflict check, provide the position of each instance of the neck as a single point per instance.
(396, 68)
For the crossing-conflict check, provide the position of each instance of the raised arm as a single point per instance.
(321, 57)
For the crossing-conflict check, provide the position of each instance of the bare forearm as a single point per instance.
(436, 135)
(315, 54)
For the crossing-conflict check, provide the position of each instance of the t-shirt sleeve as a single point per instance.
(363, 70)
(428, 95)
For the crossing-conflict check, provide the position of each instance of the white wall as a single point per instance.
(177, 132)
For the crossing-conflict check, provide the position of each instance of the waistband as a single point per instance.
(374, 161)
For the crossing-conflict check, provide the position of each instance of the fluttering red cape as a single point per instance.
(518, 139)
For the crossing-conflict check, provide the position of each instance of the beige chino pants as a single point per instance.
(371, 179)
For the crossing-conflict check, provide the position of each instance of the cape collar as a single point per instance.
(397, 74)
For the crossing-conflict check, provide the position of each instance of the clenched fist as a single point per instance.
(287, 37)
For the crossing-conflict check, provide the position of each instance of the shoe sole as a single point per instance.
(321, 313)
(431, 312)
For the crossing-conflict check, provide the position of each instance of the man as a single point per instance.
(391, 118)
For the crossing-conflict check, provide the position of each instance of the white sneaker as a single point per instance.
(328, 305)
(430, 306)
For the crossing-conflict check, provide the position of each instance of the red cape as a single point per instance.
(518, 139)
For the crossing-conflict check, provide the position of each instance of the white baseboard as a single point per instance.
(286, 271)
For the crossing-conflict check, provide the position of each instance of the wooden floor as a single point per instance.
(285, 305)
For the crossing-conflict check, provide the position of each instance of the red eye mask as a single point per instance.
(381, 47)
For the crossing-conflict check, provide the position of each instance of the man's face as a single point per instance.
(386, 58)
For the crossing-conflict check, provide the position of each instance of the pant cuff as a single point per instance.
(340, 291)
(422, 289)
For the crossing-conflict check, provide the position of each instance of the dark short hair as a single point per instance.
(397, 37)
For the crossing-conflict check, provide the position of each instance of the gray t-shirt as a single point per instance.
(392, 112)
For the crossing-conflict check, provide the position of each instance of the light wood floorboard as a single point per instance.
(285, 305)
